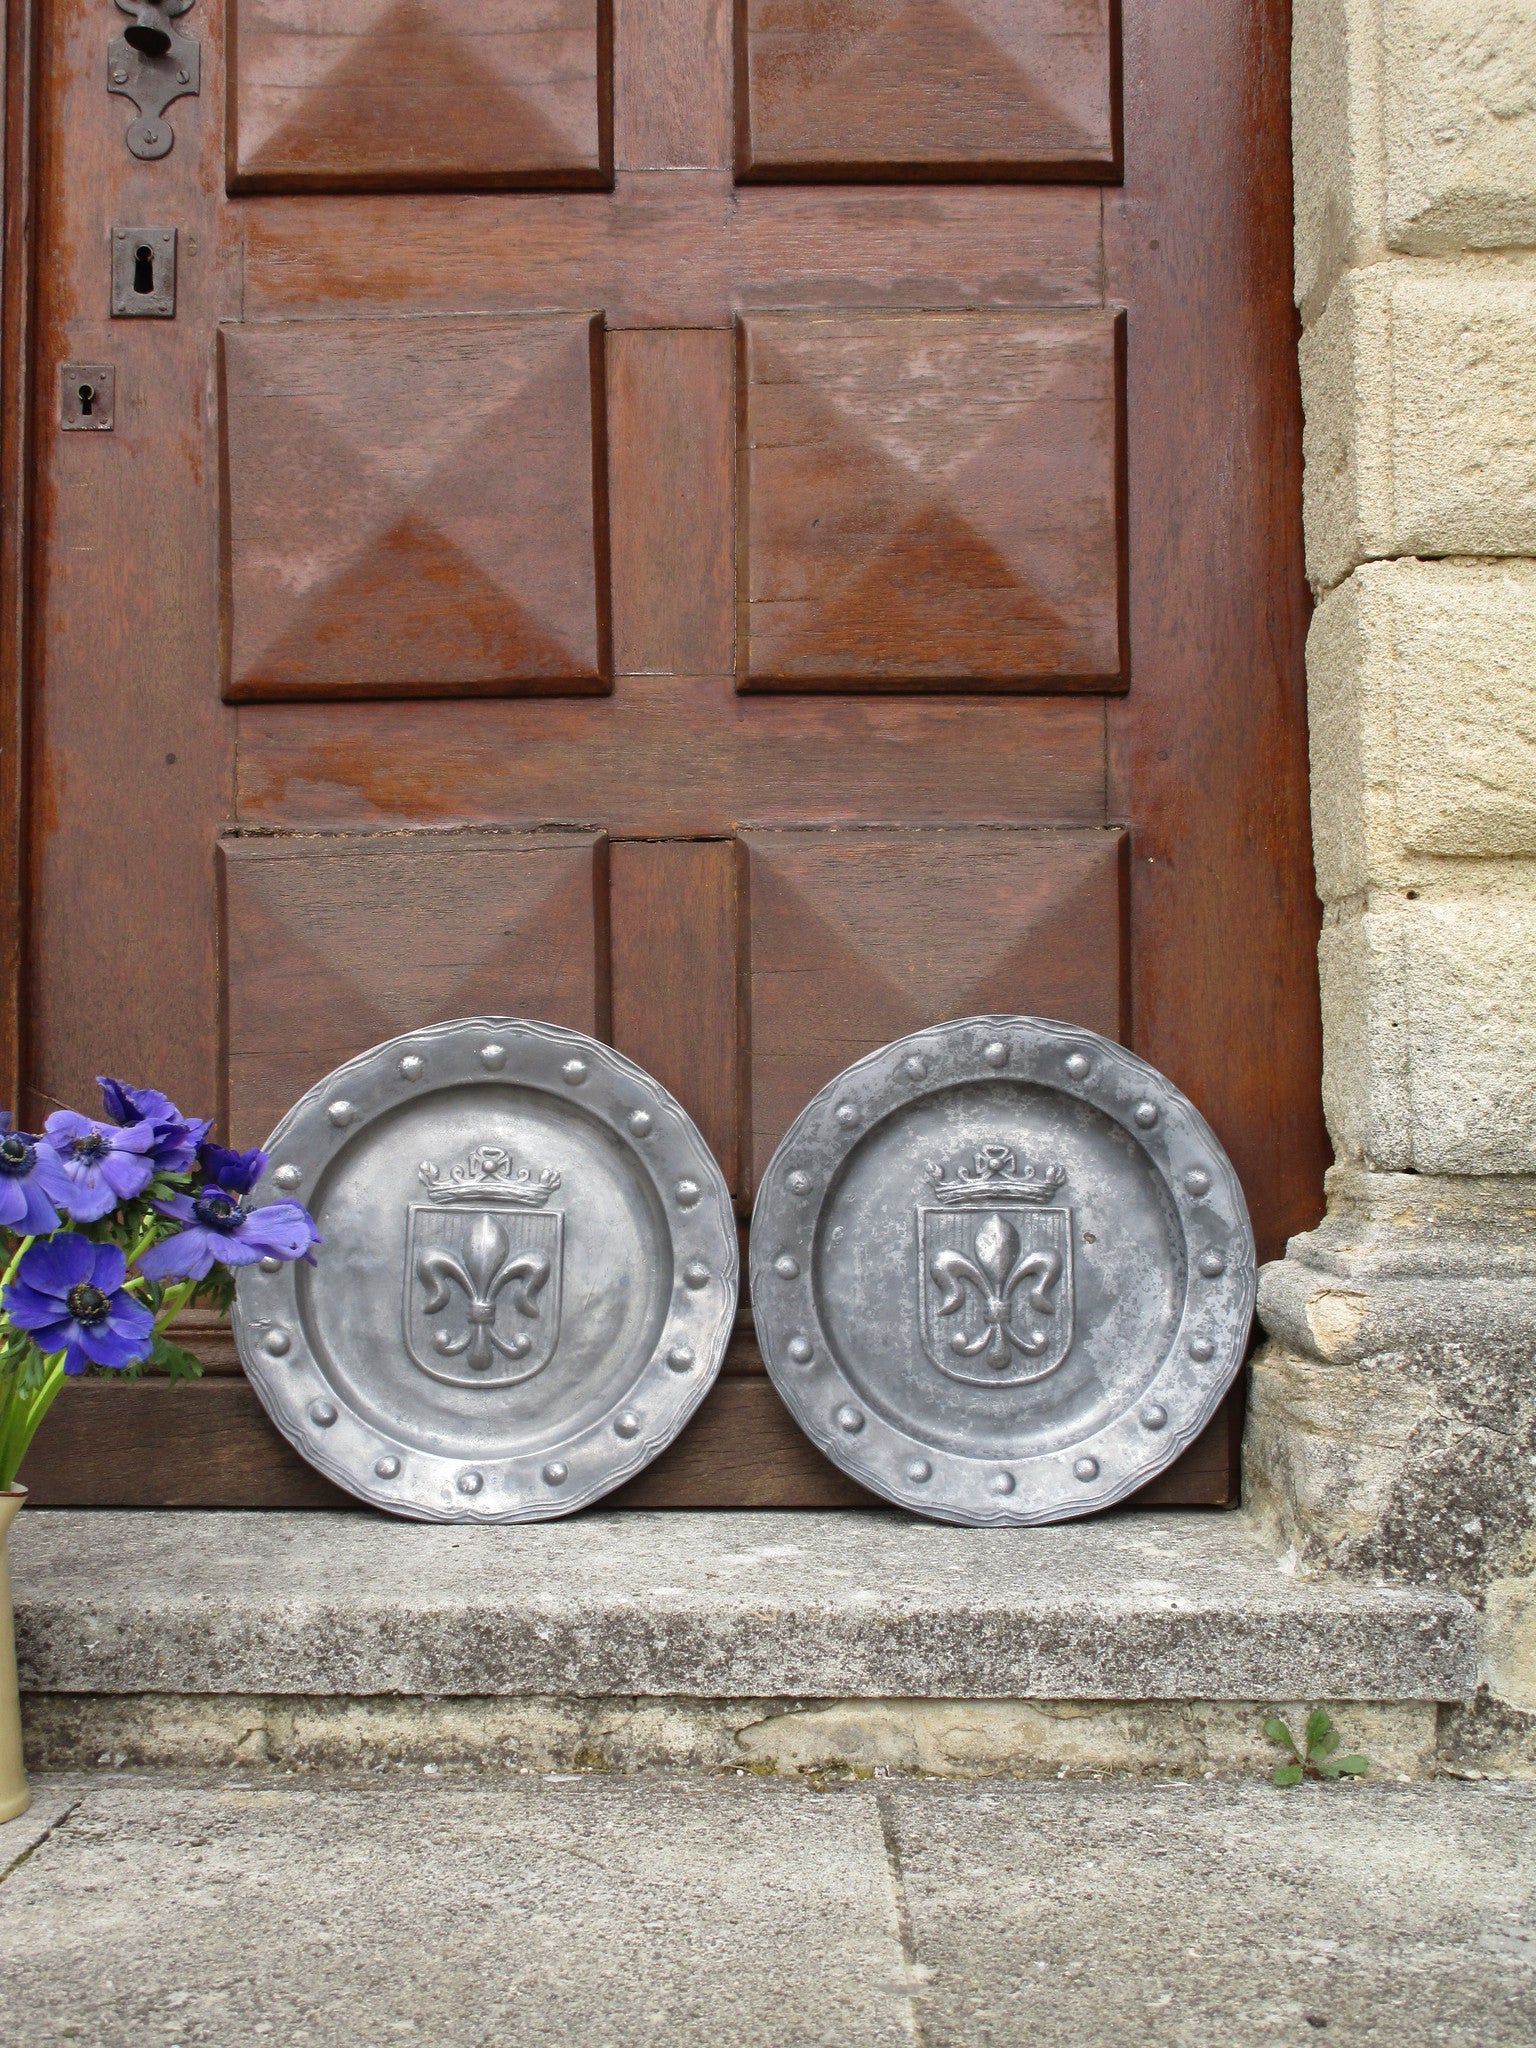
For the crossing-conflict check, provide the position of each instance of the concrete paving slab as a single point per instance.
(1090, 1916)
(542, 1913)
(730, 1605)
(21, 1836)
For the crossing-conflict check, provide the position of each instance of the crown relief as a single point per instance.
(489, 1176)
(994, 1176)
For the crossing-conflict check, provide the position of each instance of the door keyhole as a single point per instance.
(144, 269)
(87, 397)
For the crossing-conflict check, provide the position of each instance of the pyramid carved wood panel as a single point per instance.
(926, 88)
(333, 942)
(858, 936)
(386, 95)
(930, 500)
(414, 507)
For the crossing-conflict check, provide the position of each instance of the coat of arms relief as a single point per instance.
(483, 1271)
(995, 1270)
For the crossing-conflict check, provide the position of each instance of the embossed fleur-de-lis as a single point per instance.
(996, 1274)
(485, 1270)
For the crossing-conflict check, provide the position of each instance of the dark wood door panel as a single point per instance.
(671, 413)
(334, 943)
(414, 508)
(208, 1444)
(858, 937)
(930, 501)
(335, 94)
(675, 757)
(674, 248)
(674, 916)
(850, 89)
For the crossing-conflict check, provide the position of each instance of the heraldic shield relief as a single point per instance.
(995, 1272)
(483, 1272)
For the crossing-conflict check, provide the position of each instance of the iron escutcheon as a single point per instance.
(1002, 1271)
(527, 1281)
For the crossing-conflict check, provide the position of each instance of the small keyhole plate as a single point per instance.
(143, 273)
(86, 395)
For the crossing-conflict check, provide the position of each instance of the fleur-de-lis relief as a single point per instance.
(485, 1270)
(996, 1274)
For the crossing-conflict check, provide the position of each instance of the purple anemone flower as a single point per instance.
(24, 1204)
(69, 1294)
(177, 1137)
(89, 1168)
(235, 1172)
(220, 1230)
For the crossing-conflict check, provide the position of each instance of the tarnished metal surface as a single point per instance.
(1002, 1271)
(528, 1276)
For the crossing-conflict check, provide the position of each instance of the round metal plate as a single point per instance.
(527, 1280)
(1002, 1271)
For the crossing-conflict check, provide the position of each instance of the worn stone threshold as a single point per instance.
(717, 1607)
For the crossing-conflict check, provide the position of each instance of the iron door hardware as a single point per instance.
(152, 65)
(86, 395)
(143, 273)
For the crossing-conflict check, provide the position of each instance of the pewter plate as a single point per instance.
(1002, 1271)
(527, 1280)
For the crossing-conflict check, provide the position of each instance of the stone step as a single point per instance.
(839, 1605)
(858, 1637)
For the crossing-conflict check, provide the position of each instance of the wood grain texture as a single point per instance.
(671, 424)
(929, 500)
(333, 944)
(208, 1444)
(672, 84)
(1208, 753)
(674, 919)
(414, 508)
(130, 766)
(329, 95)
(851, 89)
(674, 249)
(858, 937)
(18, 96)
(680, 756)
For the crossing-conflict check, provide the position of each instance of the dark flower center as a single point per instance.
(87, 1304)
(92, 1146)
(218, 1211)
(16, 1154)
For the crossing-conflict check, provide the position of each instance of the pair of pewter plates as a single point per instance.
(1002, 1272)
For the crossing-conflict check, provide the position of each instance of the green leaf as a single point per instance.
(1288, 1774)
(1319, 1729)
(1277, 1731)
(172, 1360)
(1349, 1767)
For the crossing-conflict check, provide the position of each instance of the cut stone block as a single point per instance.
(1419, 383)
(1459, 118)
(709, 1606)
(1429, 1030)
(1422, 699)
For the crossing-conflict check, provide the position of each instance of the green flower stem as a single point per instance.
(22, 1417)
(10, 1271)
(173, 1302)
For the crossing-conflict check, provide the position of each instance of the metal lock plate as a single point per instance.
(527, 1281)
(1002, 1271)
(143, 273)
(153, 65)
(87, 396)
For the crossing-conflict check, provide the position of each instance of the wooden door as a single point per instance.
(742, 532)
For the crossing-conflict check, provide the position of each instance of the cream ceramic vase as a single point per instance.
(14, 1795)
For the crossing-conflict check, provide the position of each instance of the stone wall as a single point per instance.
(1393, 1418)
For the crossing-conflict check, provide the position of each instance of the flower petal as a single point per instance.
(103, 1346)
(187, 1256)
(63, 1262)
(108, 1267)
